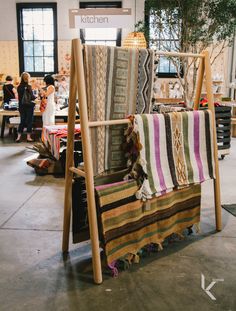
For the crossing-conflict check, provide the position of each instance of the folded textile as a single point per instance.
(119, 82)
(79, 203)
(52, 136)
(128, 224)
(172, 150)
(39, 163)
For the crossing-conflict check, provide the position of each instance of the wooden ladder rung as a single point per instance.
(108, 122)
(233, 121)
(77, 171)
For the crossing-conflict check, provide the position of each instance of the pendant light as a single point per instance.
(135, 38)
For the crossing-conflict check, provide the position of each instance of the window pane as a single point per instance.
(100, 33)
(164, 33)
(37, 16)
(38, 32)
(48, 32)
(38, 48)
(38, 64)
(111, 43)
(27, 16)
(28, 48)
(91, 42)
(49, 64)
(163, 64)
(47, 17)
(172, 67)
(29, 64)
(38, 39)
(174, 45)
(28, 32)
(48, 49)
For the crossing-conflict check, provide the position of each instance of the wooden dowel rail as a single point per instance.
(173, 54)
(108, 122)
(178, 54)
(77, 171)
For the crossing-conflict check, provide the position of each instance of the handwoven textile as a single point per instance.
(128, 224)
(175, 150)
(118, 82)
(52, 135)
(79, 203)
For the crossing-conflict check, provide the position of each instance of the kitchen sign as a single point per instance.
(100, 18)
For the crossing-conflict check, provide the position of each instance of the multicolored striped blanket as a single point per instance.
(119, 82)
(171, 150)
(128, 224)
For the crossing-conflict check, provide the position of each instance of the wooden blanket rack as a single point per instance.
(78, 86)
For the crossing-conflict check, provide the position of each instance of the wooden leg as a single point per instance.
(3, 126)
(212, 108)
(87, 156)
(199, 84)
(69, 160)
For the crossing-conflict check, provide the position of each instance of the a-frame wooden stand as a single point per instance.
(77, 85)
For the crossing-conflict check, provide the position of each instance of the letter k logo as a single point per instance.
(209, 287)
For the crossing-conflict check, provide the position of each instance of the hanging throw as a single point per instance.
(118, 82)
(171, 150)
(127, 224)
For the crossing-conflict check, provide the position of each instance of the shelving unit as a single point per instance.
(216, 89)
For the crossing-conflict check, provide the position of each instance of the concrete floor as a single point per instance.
(33, 275)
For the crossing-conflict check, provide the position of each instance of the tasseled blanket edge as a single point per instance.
(126, 261)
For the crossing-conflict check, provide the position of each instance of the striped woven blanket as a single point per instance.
(119, 82)
(174, 150)
(128, 224)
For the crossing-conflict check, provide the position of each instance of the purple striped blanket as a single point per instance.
(171, 151)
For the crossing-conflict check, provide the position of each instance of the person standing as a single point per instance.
(9, 92)
(48, 115)
(26, 106)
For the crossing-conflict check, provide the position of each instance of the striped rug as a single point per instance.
(128, 224)
(175, 150)
(118, 82)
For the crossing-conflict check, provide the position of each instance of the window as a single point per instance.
(101, 36)
(164, 35)
(37, 37)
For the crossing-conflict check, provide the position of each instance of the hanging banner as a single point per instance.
(100, 18)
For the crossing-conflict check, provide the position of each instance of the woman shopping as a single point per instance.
(48, 115)
(9, 92)
(26, 106)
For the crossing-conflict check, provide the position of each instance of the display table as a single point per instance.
(52, 136)
(63, 114)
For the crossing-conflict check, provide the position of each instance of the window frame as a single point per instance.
(147, 26)
(101, 4)
(36, 5)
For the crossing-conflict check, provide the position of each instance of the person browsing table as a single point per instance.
(48, 115)
(26, 106)
(9, 91)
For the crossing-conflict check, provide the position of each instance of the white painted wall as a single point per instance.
(8, 23)
(9, 63)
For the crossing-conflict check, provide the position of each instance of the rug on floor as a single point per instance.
(231, 208)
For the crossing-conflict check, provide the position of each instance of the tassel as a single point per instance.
(136, 258)
(197, 227)
(160, 247)
(180, 235)
(114, 270)
(129, 258)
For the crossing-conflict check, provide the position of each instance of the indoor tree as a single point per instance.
(191, 26)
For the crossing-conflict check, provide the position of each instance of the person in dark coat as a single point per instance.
(26, 106)
(9, 92)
